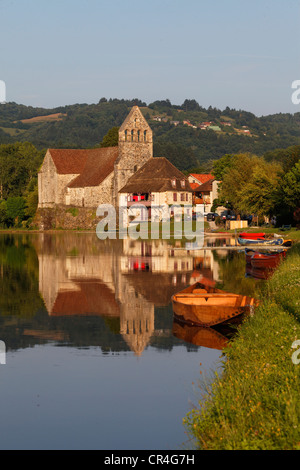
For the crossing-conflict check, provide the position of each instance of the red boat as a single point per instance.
(252, 236)
(249, 253)
(266, 260)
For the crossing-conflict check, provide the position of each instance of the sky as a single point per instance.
(237, 53)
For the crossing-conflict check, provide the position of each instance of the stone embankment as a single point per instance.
(60, 217)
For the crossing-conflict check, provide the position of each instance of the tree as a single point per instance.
(287, 197)
(111, 139)
(250, 183)
(221, 166)
(15, 209)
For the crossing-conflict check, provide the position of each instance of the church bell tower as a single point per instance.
(135, 148)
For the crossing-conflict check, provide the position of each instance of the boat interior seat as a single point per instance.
(199, 291)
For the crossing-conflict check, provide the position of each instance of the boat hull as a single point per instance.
(252, 236)
(266, 261)
(211, 307)
(261, 241)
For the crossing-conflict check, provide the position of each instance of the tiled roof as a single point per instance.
(92, 165)
(156, 175)
(207, 186)
(93, 298)
(202, 177)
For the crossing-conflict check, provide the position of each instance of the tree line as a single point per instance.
(264, 186)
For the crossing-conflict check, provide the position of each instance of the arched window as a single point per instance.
(132, 135)
(135, 168)
(145, 136)
(138, 135)
(125, 135)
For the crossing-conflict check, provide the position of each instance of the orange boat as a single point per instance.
(203, 305)
(199, 336)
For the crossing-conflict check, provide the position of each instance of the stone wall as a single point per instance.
(67, 218)
(91, 196)
(51, 185)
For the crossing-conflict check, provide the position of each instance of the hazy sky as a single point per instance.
(238, 53)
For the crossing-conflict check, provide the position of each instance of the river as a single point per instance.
(93, 356)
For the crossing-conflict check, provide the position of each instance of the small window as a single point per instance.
(182, 182)
(126, 136)
(173, 181)
(182, 196)
(138, 135)
(132, 135)
(174, 196)
(145, 136)
(135, 168)
(187, 197)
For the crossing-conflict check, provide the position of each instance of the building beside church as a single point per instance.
(90, 177)
(158, 183)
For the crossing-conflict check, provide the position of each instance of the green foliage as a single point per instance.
(249, 184)
(15, 209)
(85, 125)
(221, 165)
(181, 157)
(73, 210)
(254, 404)
(111, 139)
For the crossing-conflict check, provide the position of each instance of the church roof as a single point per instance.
(91, 165)
(156, 175)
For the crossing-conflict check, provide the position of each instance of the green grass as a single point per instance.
(255, 404)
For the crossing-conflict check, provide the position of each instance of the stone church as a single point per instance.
(90, 177)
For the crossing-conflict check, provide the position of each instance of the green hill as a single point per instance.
(188, 134)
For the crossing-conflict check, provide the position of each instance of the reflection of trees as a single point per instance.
(232, 273)
(18, 277)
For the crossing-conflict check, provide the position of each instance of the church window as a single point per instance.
(138, 135)
(126, 136)
(132, 135)
(145, 136)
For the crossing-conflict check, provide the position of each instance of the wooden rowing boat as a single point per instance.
(249, 252)
(199, 335)
(266, 260)
(261, 241)
(202, 305)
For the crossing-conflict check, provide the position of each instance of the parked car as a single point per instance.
(211, 216)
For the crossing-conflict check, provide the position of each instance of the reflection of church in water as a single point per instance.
(124, 279)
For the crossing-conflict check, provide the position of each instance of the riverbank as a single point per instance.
(255, 403)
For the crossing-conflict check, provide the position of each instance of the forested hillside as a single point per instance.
(188, 135)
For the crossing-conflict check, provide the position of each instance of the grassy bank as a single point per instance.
(255, 404)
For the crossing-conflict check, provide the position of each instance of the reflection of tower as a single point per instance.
(137, 323)
(136, 315)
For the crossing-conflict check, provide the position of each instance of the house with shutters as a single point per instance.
(157, 184)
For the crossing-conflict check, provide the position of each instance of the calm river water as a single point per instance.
(93, 358)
